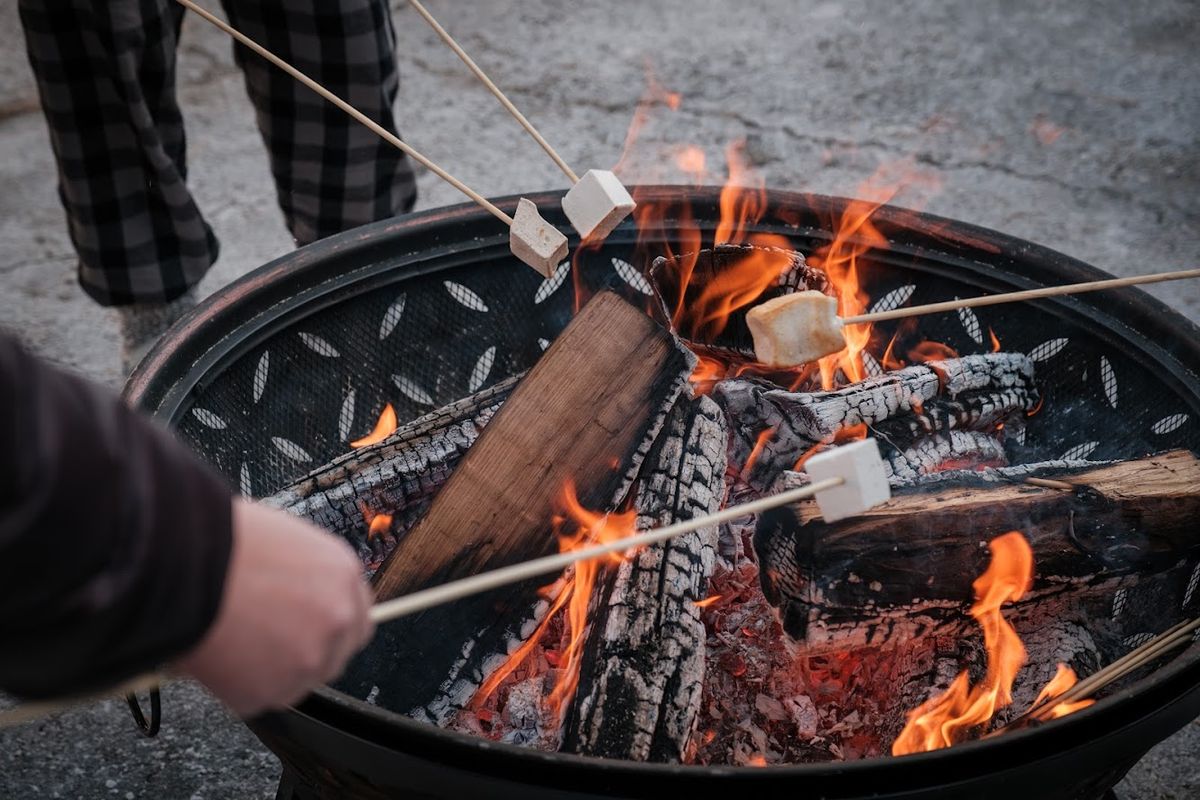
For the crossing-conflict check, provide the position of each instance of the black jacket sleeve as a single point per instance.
(114, 540)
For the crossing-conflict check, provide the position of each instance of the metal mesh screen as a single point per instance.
(297, 399)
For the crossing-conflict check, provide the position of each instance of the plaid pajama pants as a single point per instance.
(106, 77)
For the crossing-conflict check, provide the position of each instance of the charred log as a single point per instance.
(398, 476)
(943, 451)
(778, 427)
(644, 662)
(905, 569)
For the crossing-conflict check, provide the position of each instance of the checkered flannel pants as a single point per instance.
(106, 76)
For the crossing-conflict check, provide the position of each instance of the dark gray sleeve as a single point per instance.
(114, 539)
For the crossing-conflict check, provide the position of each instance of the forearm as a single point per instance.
(114, 541)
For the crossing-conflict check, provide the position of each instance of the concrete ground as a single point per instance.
(1071, 124)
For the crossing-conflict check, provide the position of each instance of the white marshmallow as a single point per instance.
(597, 204)
(795, 329)
(535, 241)
(866, 483)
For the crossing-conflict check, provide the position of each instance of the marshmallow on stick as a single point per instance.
(804, 326)
(846, 481)
(598, 201)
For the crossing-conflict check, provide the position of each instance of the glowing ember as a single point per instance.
(759, 444)
(384, 428)
(379, 525)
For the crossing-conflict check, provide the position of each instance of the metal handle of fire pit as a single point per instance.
(149, 729)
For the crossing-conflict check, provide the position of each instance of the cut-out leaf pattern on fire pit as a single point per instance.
(466, 296)
(550, 285)
(1168, 424)
(391, 317)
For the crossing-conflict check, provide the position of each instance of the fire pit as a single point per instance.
(278, 373)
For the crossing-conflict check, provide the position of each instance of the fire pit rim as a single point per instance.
(206, 335)
(1111, 716)
(308, 279)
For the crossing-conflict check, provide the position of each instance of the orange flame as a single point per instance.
(592, 528)
(692, 161)
(738, 285)
(947, 718)
(574, 594)
(995, 341)
(1064, 678)
(708, 601)
(379, 525)
(756, 451)
(384, 428)
(931, 351)
(518, 656)
(854, 236)
(850, 433)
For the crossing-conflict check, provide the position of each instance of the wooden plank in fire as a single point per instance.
(587, 413)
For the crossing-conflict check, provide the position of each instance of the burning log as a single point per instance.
(640, 688)
(904, 569)
(773, 428)
(587, 413)
(397, 477)
(699, 293)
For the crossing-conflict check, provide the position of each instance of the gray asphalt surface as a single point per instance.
(1074, 125)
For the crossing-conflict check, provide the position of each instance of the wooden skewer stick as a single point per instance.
(1028, 294)
(803, 327)
(456, 590)
(547, 565)
(378, 129)
(598, 201)
(495, 90)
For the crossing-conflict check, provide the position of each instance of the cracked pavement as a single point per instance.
(1073, 125)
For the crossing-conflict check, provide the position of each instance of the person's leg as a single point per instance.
(106, 75)
(331, 173)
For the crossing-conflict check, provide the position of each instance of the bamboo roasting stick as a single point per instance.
(532, 239)
(546, 565)
(598, 201)
(375, 127)
(494, 89)
(1132, 661)
(803, 327)
(456, 590)
(1027, 294)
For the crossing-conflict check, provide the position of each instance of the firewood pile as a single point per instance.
(770, 640)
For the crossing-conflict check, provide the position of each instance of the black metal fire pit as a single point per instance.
(273, 375)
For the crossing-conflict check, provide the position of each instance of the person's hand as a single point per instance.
(293, 612)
